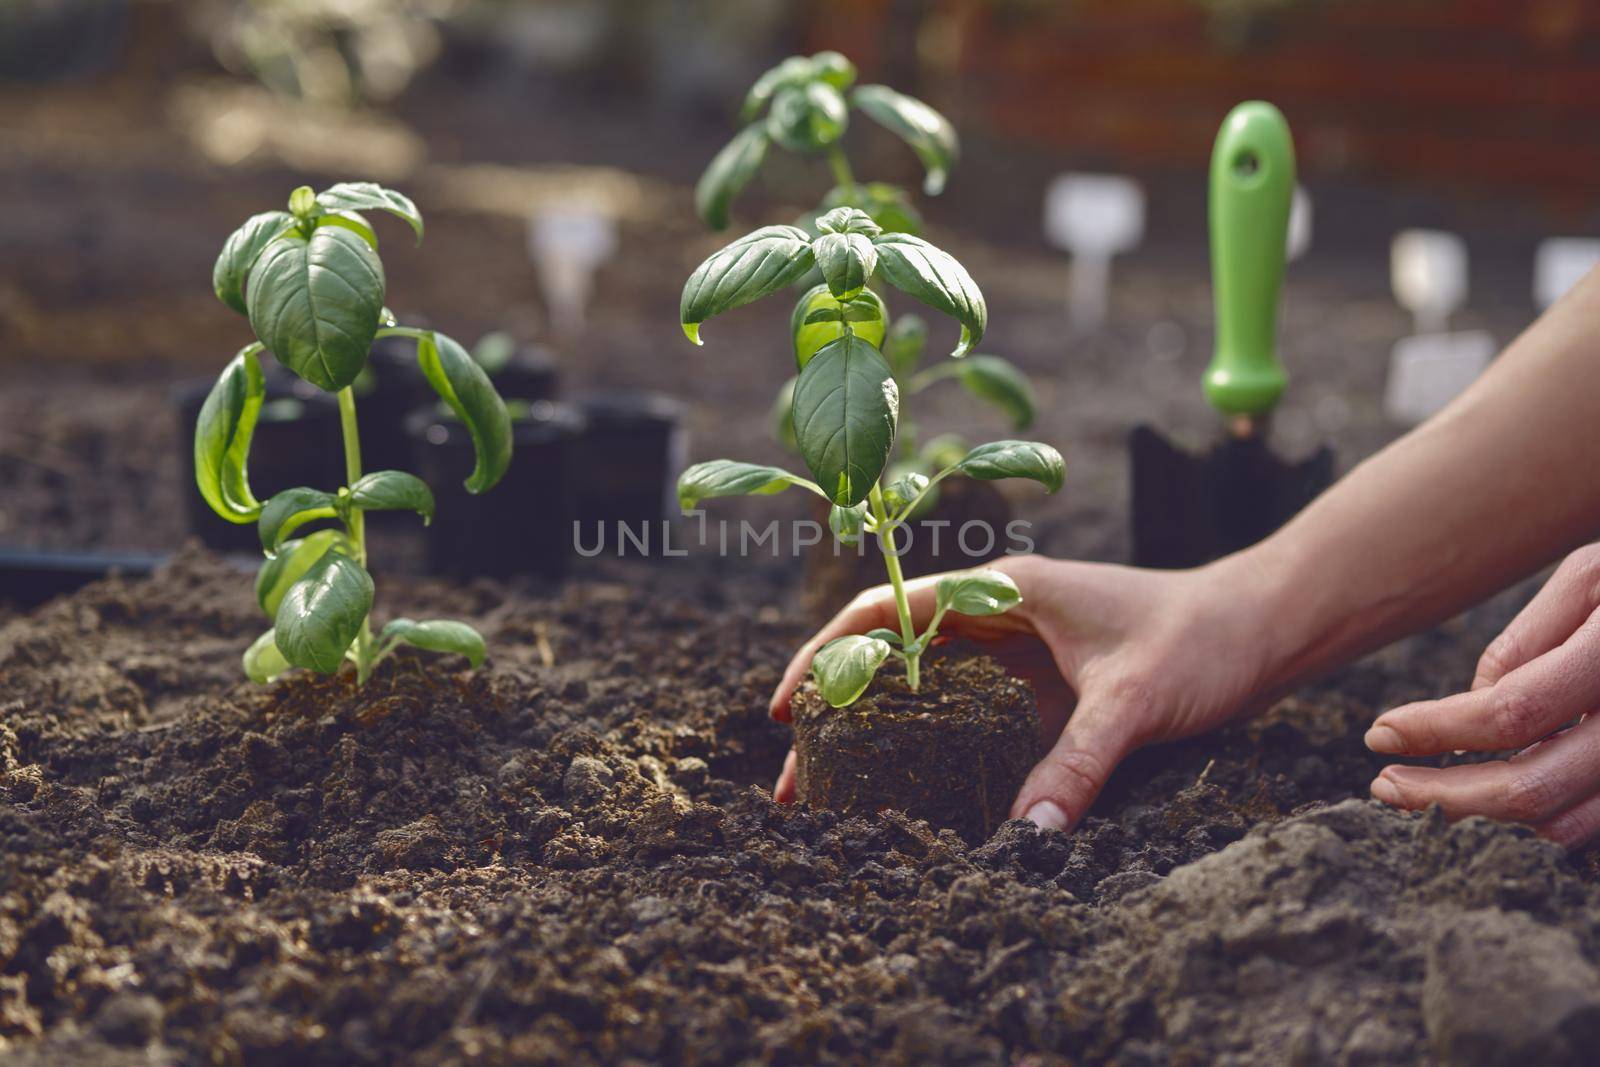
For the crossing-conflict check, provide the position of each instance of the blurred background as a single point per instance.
(136, 134)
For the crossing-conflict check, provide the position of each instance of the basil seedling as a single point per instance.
(312, 286)
(803, 105)
(846, 410)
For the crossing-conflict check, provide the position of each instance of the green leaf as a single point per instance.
(437, 635)
(291, 509)
(222, 438)
(464, 386)
(846, 260)
(792, 71)
(240, 251)
(262, 660)
(365, 196)
(315, 303)
(844, 667)
(353, 221)
(977, 593)
(808, 117)
(933, 276)
(846, 523)
(833, 68)
(929, 133)
(726, 477)
(889, 206)
(730, 171)
(904, 489)
(758, 263)
(848, 220)
(321, 614)
(393, 491)
(865, 312)
(1000, 383)
(846, 405)
(884, 634)
(907, 341)
(293, 559)
(1015, 459)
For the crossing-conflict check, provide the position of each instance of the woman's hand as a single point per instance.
(1119, 658)
(1537, 677)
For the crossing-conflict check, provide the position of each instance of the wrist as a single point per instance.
(1273, 617)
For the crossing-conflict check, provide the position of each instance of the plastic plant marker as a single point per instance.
(1428, 272)
(1559, 264)
(1429, 370)
(1094, 217)
(568, 244)
(1188, 509)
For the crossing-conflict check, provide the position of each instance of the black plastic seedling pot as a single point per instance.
(521, 526)
(297, 442)
(633, 448)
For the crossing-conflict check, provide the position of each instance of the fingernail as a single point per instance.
(1047, 815)
(1383, 738)
(1384, 790)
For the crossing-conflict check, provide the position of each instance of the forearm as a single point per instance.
(1500, 483)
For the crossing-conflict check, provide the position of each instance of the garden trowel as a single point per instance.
(1189, 509)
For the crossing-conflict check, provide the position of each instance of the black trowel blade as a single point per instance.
(1189, 509)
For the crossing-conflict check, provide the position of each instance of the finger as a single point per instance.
(1559, 608)
(1577, 827)
(783, 791)
(868, 611)
(1519, 709)
(1060, 789)
(1537, 786)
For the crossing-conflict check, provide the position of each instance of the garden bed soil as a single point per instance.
(954, 752)
(571, 857)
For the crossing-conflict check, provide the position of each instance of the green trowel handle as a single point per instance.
(1252, 184)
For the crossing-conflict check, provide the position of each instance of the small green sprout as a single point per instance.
(803, 105)
(845, 411)
(312, 286)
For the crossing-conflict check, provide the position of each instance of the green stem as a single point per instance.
(358, 521)
(908, 632)
(842, 174)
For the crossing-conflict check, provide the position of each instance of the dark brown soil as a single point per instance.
(579, 863)
(954, 752)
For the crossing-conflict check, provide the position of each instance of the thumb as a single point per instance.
(1061, 786)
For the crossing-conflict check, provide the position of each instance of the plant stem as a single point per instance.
(358, 521)
(891, 561)
(842, 174)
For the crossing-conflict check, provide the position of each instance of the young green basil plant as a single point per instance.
(846, 409)
(312, 286)
(803, 105)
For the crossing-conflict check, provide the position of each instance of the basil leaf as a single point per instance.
(889, 206)
(865, 312)
(353, 221)
(293, 559)
(437, 635)
(848, 220)
(1000, 383)
(262, 660)
(846, 260)
(846, 405)
(240, 252)
(363, 196)
(844, 667)
(792, 71)
(222, 438)
(808, 117)
(1015, 459)
(321, 614)
(730, 170)
(758, 263)
(833, 68)
(907, 340)
(393, 491)
(904, 489)
(846, 523)
(917, 268)
(977, 593)
(291, 509)
(884, 634)
(316, 303)
(464, 386)
(929, 133)
(726, 477)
